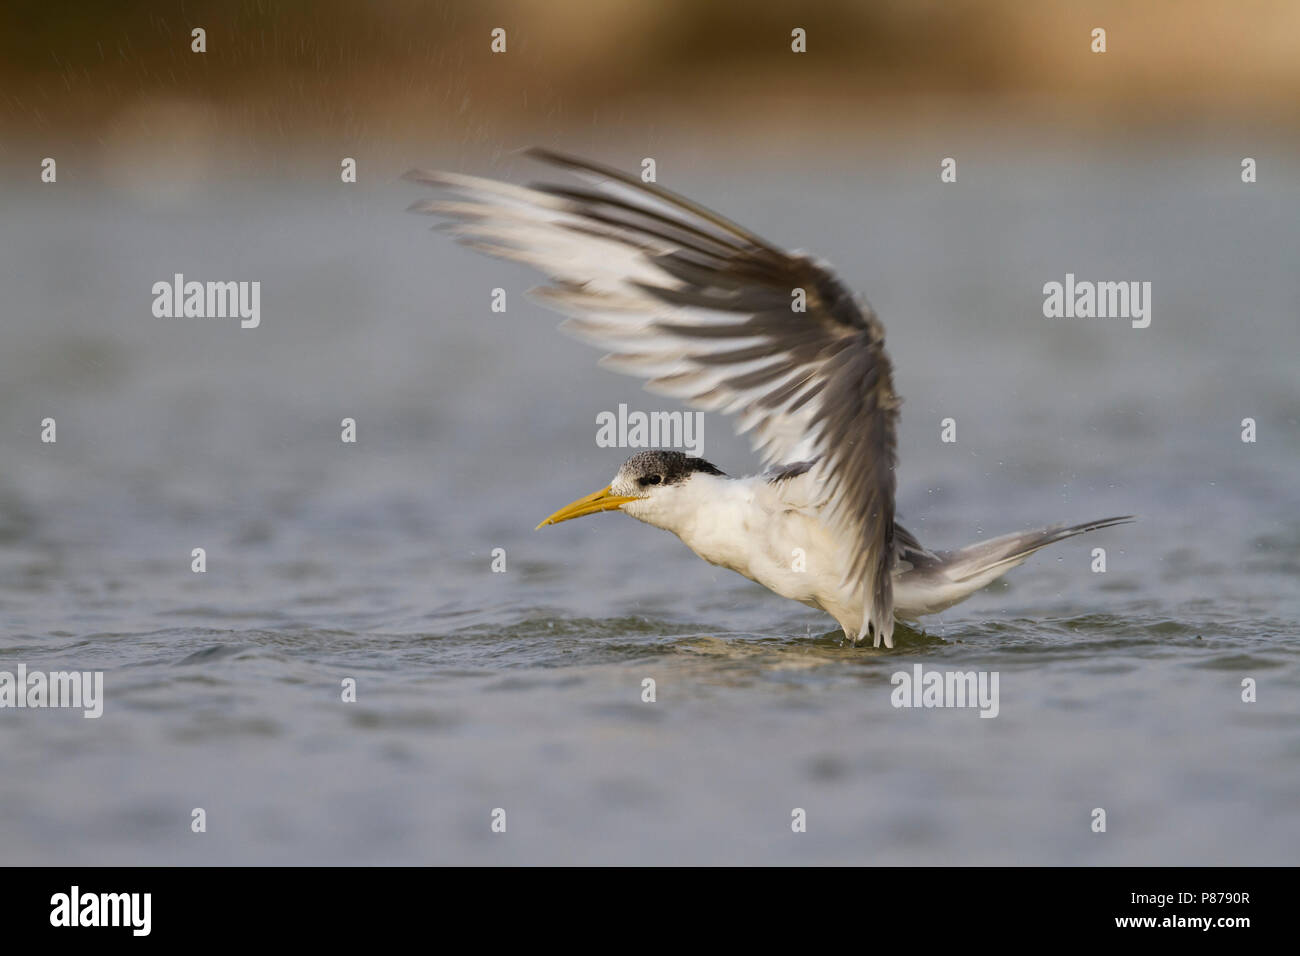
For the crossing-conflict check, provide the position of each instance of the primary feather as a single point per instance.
(703, 310)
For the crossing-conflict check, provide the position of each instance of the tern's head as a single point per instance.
(650, 486)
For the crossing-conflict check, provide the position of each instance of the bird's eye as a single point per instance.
(651, 480)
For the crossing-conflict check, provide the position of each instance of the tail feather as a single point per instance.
(1003, 553)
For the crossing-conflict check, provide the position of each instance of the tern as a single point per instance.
(709, 313)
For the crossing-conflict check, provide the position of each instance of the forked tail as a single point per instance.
(934, 580)
(1002, 554)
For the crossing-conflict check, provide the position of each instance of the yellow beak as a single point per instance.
(600, 501)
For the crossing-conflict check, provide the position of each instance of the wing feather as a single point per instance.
(701, 308)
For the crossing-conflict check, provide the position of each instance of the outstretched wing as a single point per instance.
(711, 314)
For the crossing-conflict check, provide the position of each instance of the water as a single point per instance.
(522, 690)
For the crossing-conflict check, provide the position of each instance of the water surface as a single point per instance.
(522, 689)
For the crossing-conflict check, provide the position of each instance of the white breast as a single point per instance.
(769, 532)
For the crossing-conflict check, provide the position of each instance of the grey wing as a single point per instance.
(911, 555)
(704, 311)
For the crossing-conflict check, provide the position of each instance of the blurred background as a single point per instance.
(281, 81)
(522, 690)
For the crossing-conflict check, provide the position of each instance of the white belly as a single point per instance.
(787, 550)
